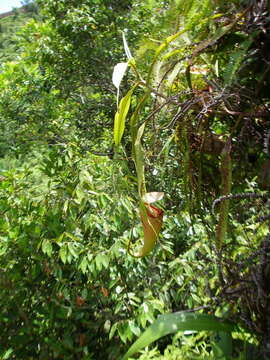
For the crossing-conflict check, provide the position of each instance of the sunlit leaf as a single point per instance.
(181, 321)
(152, 197)
(118, 73)
(120, 117)
(84, 265)
(63, 253)
(47, 247)
(127, 51)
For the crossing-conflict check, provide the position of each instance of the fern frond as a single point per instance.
(235, 62)
(196, 14)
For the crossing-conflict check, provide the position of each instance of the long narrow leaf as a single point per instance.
(180, 321)
(120, 117)
(135, 119)
(167, 41)
(139, 160)
(161, 48)
(127, 51)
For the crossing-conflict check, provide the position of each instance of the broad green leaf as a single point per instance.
(172, 53)
(102, 260)
(120, 117)
(84, 265)
(222, 345)
(63, 253)
(134, 328)
(113, 330)
(73, 250)
(7, 354)
(180, 321)
(47, 247)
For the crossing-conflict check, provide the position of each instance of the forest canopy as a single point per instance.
(134, 180)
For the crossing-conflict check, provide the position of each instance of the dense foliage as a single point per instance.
(193, 124)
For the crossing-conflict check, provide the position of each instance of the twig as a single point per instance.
(238, 196)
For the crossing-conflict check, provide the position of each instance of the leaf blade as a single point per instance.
(171, 323)
(118, 73)
(120, 117)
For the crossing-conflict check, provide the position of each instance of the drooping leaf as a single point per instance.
(118, 73)
(47, 247)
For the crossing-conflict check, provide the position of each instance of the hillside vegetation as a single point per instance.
(10, 24)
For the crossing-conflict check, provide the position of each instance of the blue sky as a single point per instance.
(7, 5)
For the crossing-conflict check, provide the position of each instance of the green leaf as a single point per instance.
(7, 354)
(63, 253)
(47, 247)
(120, 117)
(73, 250)
(222, 345)
(113, 330)
(102, 260)
(180, 321)
(139, 160)
(3, 245)
(134, 328)
(235, 61)
(135, 119)
(84, 265)
(167, 41)
(161, 48)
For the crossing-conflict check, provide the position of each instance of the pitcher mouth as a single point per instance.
(153, 211)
